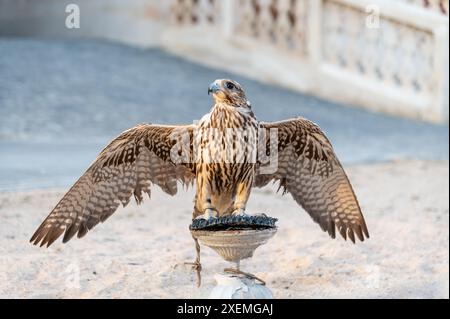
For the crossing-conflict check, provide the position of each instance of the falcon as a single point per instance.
(225, 155)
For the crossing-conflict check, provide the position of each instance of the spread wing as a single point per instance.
(137, 158)
(309, 170)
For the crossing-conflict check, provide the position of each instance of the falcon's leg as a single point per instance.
(242, 195)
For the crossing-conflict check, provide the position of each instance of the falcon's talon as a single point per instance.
(261, 215)
(208, 214)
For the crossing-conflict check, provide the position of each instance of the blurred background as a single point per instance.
(73, 74)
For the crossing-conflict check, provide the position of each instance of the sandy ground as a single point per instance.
(139, 252)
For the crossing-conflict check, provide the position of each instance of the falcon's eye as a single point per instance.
(229, 85)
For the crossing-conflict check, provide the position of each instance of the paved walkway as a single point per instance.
(61, 101)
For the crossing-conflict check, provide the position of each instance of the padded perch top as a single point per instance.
(234, 223)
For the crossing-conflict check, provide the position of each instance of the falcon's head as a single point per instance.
(228, 91)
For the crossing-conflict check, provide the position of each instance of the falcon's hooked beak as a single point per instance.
(213, 88)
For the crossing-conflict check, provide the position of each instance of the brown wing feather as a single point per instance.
(309, 170)
(127, 166)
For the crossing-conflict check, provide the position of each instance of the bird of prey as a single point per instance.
(218, 156)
